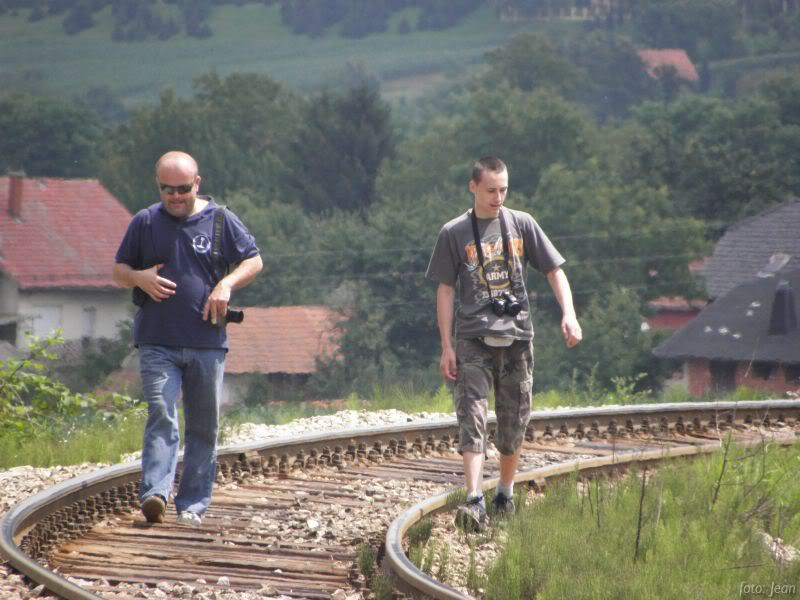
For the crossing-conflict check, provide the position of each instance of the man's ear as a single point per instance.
(473, 187)
(197, 181)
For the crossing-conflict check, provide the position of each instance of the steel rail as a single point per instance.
(72, 506)
(417, 584)
(277, 455)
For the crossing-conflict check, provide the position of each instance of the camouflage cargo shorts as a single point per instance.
(510, 371)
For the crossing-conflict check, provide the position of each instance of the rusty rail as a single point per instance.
(418, 584)
(36, 526)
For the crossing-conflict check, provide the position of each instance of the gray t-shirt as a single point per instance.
(455, 262)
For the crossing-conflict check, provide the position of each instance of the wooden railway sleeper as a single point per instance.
(41, 537)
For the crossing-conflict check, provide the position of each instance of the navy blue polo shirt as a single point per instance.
(183, 246)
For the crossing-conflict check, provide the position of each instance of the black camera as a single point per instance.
(232, 316)
(506, 304)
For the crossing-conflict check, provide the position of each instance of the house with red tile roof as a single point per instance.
(281, 343)
(277, 348)
(654, 60)
(58, 238)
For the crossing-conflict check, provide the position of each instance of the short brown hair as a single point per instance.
(487, 163)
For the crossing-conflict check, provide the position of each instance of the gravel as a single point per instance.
(21, 482)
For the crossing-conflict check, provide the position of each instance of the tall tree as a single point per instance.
(238, 129)
(613, 233)
(617, 74)
(530, 61)
(531, 131)
(337, 151)
(615, 349)
(47, 137)
(721, 162)
(710, 25)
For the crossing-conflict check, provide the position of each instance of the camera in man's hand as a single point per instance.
(506, 304)
(232, 316)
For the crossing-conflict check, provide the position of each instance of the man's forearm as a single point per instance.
(124, 275)
(244, 273)
(445, 294)
(558, 281)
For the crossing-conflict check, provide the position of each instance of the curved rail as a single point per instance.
(421, 585)
(30, 529)
(70, 508)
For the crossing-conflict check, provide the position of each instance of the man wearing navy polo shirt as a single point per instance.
(166, 253)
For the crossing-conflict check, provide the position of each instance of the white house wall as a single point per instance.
(93, 314)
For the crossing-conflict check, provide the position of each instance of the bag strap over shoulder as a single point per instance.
(216, 242)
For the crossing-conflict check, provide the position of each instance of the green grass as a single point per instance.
(625, 394)
(689, 546)
(103, 442)
(108, 441)
(247, 38)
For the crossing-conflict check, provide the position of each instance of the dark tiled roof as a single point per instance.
(736, 326)
(67, 234)
(750, 246)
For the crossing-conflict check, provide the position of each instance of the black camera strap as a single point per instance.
(218, 264)
(216, 243)
(479, 249)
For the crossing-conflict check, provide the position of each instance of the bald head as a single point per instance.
(176, 159)
(178, 181)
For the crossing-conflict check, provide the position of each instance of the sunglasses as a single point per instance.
(176, 189)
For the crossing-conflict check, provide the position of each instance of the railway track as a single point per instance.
(288, 516)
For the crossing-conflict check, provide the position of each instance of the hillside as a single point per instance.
(39, 56)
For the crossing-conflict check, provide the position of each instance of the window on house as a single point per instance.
(8, 333)
(792, 373)
(762, 370)
(89, 321)
(723, 375)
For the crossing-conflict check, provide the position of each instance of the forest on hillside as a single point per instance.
(667, 20)
(632, 176)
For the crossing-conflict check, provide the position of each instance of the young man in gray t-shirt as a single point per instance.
(493, 326)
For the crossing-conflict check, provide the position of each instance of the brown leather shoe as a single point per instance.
(154, 508)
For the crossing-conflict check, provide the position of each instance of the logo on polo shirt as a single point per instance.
(201, 244)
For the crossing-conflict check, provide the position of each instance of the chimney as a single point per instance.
(783, 318)
(15, 181)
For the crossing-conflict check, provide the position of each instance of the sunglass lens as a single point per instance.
(176, 189)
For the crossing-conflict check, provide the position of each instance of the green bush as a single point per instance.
(40, 417)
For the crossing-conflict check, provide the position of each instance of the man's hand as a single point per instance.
(155, 286)
(447, 364)
(217, 304)
(571, 331)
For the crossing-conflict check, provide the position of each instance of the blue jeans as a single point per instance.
(198, 372)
